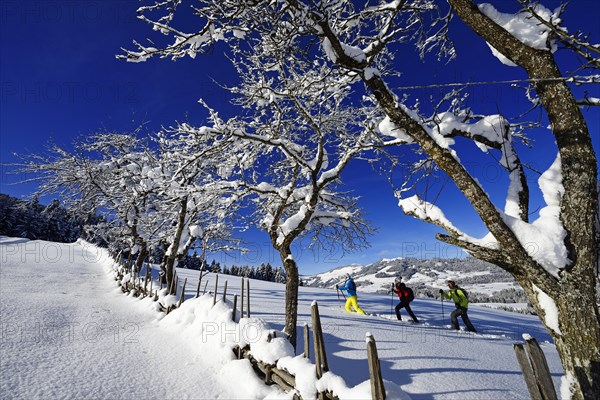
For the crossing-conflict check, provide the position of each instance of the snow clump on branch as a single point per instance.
(523, 26)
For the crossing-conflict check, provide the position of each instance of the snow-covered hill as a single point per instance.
(485, 282)
(68, 332)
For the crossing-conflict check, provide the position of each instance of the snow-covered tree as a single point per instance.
(297, 135)
(164, 193)
(96, 176)
(359, 43)
(193, 192)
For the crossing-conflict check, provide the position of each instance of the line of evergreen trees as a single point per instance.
(32, 220)
(265, 272)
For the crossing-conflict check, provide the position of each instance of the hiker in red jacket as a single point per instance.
(405, 295)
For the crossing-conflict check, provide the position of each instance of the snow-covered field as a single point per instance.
(68, 332)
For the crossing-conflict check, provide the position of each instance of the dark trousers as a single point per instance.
(404, 304)
(462, 312)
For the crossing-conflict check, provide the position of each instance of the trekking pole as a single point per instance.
(338, 291)
(442, 299)
(392, 301)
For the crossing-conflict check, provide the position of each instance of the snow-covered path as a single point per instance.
(68, 332)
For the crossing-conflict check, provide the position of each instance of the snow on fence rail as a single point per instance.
(135, 285)
(271, 374)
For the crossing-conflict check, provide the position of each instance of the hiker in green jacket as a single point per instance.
(462, 304)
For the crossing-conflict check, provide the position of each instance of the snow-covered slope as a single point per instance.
(485, 281)
(67, 332)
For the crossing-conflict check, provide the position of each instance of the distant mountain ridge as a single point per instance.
(485, 282)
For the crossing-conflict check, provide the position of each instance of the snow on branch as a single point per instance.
(527, 30)
(184, 44)
(589, 102)
(577, 41)
(427, 212)
(491, 132)
(544, 238)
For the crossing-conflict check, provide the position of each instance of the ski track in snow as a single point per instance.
(68, 332)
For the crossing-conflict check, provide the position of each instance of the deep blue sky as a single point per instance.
(60, 79)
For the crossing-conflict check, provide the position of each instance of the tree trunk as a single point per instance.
(140, 258)
(578, 343)
(129, 259)
(291, 293)
(168, 277)
(171, 257)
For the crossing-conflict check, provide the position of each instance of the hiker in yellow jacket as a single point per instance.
(461, 301)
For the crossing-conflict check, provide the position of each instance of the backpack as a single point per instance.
(464, 292)
(411, 295)
(352, 286)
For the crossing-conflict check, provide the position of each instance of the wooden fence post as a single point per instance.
(530, 380)
(234, 310)
(198, 287)
(319, 346)
(182, 293)
(216, 288)
(145, 278)
(225, 292)
(173, 287)
(242, 300)
(248, 296)
(377, 388)
(306, 342)
(540, 369)
(205, 285)
(129, 260)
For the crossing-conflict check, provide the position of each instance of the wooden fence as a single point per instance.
(535, 370)
(287, 381)
(142, 286)
(267, 372)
